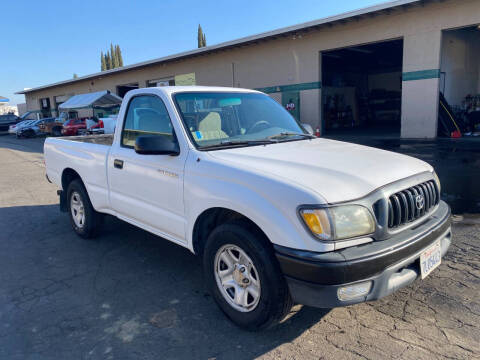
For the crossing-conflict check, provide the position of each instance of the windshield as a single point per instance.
(216, 119)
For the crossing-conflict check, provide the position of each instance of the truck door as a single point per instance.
(147, 190)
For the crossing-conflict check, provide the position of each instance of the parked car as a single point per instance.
(73, 126)
(47, 124)
(14, 127)
(277, 215)
(30, 130)
(7, 120)
(45, 121)
(55, 127)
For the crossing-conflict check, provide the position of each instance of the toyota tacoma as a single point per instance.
(277, 215)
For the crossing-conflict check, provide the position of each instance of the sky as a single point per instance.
(42, 42)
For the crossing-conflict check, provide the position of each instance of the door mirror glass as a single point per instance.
(156, 145)
(308, 128)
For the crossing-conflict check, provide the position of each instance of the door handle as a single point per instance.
(118, 163)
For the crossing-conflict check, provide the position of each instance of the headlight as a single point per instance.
(339, 222)
(437, 180)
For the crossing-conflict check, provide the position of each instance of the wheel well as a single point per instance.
(68, 176)
(210, 219)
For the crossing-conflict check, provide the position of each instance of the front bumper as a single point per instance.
(314, 278)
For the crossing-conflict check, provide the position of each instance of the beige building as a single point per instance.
(379, 69)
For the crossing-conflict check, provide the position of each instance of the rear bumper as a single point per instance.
(314, 278)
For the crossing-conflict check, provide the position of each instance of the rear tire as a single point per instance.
(86, 222)
(256, 308)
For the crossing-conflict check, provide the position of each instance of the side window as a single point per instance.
(146, 115)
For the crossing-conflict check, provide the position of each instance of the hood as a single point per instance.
(336, 170)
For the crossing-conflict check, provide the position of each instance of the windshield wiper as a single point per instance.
(227, 143)
(287, 134)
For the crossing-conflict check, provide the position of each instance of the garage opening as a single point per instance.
(123, 89)
(362, 89)
(460, 82)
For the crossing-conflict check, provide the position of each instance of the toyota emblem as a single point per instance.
(419, 202)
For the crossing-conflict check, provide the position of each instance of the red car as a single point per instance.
(71, 127)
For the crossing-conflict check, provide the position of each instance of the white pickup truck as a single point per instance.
(278, 215)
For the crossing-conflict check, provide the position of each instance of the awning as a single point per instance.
(100, 98)
(3, 99)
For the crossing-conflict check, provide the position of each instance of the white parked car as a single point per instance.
(15, 127)
(277, 215)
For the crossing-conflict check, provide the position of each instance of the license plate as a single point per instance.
(430, 259)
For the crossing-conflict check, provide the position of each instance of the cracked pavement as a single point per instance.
(131, 295)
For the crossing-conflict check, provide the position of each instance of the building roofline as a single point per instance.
(237, 42)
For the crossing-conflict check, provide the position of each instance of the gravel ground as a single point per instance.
(131, 295)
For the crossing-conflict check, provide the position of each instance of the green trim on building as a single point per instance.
(421, 75)
(292, 87)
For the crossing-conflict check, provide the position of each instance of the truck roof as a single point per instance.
(175, 89)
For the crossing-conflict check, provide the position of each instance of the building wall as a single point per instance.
(22, 109)
(295, 60)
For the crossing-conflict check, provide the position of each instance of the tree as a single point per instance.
(109, 61)
(201, 39)
(75, 76)
(113, 55)
(106, 60)
(118, 53)
(103, 62)
(112, 58)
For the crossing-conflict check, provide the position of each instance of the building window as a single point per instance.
(170, 81)
(45, 103)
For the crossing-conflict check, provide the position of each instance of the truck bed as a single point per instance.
(106, 139)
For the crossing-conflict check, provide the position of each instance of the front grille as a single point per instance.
(404, 206)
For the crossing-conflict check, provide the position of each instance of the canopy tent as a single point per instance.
(91, 100)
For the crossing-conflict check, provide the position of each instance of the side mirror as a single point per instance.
(156, 145)
(308, 128)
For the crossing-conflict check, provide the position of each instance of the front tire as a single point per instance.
(86, 222)
(244, 276)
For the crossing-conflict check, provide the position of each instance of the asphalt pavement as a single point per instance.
(131, 295)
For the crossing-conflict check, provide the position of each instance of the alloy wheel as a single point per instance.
(77, 209)
(237, 278)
